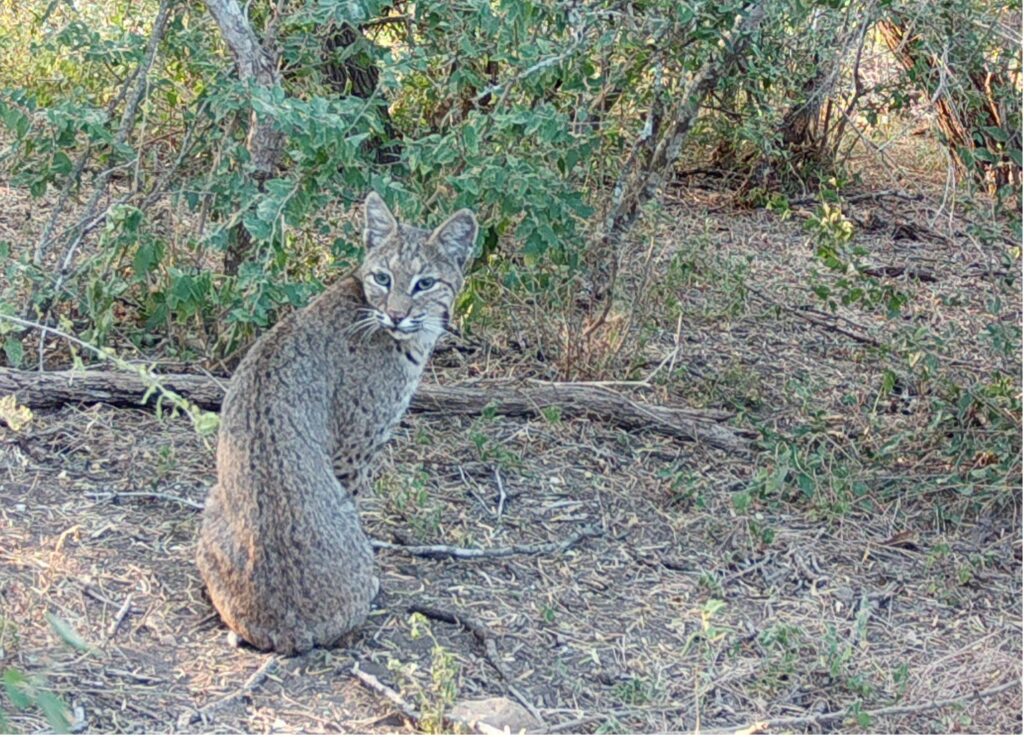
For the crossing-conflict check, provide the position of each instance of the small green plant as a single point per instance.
(552, 414)
(686, 487)
(489, 450)
(409, 497)
(709, 633)
(26, 694)
(440, 694)
(839, 656)
(710, 582)
(783, 645)
(832, 234)
(547, 613)
(636, 691)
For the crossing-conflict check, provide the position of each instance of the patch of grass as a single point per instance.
(738, 386)
(686, 488)
(785, 647)
(636, 691)
(490, 450)
(700, 265)
(408, 497)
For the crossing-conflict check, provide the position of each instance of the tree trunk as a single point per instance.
(55, 388)
(654, 154)
(961, 121)
(351, 71)
(257, 65)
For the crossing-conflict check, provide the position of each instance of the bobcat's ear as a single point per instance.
(380, 223)
(457, 235)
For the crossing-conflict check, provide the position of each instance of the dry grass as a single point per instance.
(908, 594)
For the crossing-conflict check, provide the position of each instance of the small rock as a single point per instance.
(496, 712)
(79, 724)
(234, 640)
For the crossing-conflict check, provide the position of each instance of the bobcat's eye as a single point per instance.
(383, 279)
(424, 284)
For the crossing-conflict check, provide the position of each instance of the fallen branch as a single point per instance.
(374, 684)
(888, 711)
(119, 617)
(815, 319)
(449, 551)
(892, 193)
(55, 388)
(894, 270)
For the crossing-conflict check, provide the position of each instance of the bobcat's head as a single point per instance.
(410, 275)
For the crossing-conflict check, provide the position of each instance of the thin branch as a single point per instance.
(814, 319)
(449, 551)
(505, 87)
(125, 128)
(113, 495)
(888, 711)
(374, 684)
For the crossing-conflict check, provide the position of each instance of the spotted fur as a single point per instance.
(281, 548)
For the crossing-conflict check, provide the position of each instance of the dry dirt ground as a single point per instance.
(696, 608)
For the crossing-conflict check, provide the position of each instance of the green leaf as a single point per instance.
(14, 351)
(54, 711)
(471, 139)
(996, 134)
(18, 689)
(61, 163)
(206, 423)
(67, 633)
(983, 154)
(149, 256)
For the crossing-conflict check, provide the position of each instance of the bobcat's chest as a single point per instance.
(373, 404)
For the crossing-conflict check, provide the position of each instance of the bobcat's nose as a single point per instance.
(395, 318)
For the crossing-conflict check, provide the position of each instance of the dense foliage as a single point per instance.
(527, 111)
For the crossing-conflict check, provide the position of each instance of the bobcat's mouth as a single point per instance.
(404, 329)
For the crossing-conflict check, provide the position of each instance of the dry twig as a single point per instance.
(888, 711)
(451, 551)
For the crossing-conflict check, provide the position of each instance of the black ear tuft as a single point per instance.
(380, 223)
(457, 236)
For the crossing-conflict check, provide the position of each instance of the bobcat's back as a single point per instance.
(281, 548)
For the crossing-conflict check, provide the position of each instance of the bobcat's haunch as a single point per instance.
(281, 547)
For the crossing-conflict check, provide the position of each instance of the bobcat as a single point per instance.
(281, 548)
